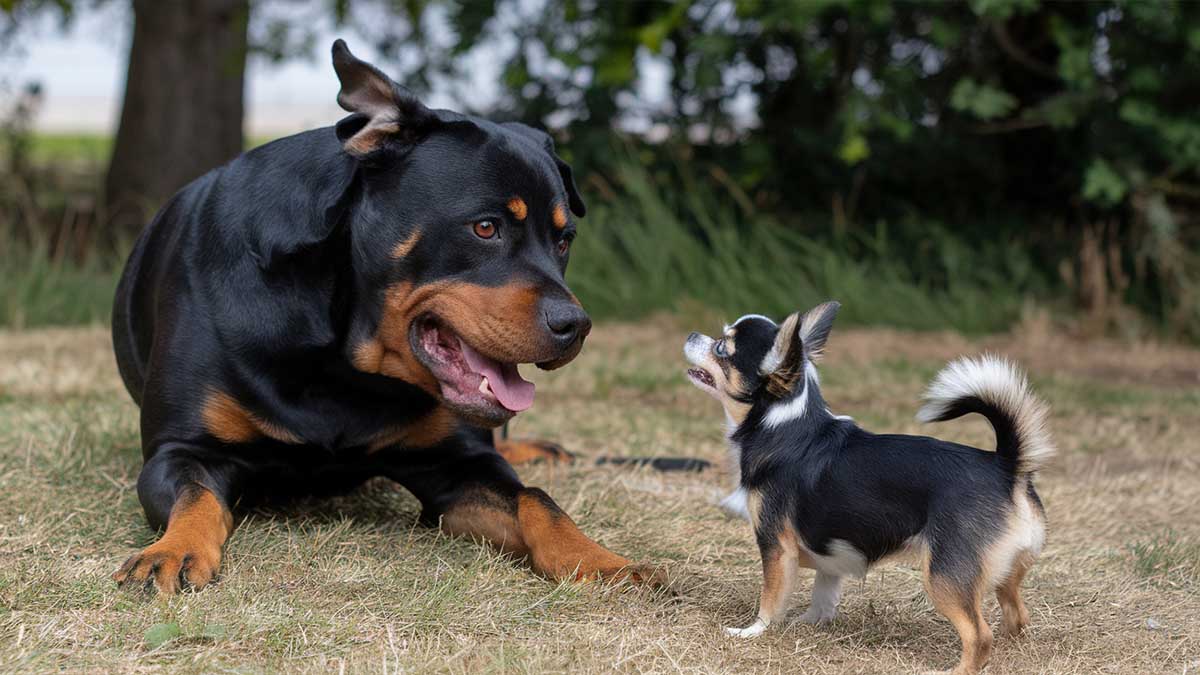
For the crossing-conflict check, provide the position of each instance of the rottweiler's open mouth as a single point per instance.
(477, 385)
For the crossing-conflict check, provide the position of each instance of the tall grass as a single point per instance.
(37, 289)
(659, 248)
(670, 246)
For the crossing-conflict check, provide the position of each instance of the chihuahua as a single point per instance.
(826, 494)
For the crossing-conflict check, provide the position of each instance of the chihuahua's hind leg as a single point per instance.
(827, 591)
(1016, 617)
(961, 604)
(781, 564)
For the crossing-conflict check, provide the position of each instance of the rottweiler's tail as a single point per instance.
(993, 387)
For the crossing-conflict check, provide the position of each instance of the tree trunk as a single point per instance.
(182, 113)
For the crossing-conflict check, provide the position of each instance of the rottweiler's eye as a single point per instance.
(719, 349)
(484, 229)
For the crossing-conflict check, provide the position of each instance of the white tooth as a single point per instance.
(484, 387)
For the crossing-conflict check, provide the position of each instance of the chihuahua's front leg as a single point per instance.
(781, 564)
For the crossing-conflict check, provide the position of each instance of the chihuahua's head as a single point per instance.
(756, 360)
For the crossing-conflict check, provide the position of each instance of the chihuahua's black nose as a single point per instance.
(567, 322)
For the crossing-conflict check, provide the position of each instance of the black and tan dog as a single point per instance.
(826, 494)
(353, 302)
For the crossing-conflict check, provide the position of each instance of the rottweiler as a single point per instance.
(353, 302)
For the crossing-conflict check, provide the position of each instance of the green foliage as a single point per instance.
(981, 100)
(1103, 185)
(663, 246)
(38, 289)
(1051, 118)
(1024, 123)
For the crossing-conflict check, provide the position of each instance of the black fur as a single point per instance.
(832, 480)
(259, 279)
(825, 493)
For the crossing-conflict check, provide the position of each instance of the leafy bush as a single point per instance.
(657, 248)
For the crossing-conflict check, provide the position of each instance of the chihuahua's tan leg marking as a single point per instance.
(962, 606)
(1016, 617)
(781, 564)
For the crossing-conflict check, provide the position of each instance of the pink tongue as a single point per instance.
(513, 391)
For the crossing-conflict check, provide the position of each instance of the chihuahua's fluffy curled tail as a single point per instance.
(993, 387)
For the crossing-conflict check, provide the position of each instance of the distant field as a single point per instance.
(354, 585)
(86, 149)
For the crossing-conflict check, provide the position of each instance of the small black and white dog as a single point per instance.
(826, 494)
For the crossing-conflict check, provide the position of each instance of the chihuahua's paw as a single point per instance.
(753, 630)
(819, 615)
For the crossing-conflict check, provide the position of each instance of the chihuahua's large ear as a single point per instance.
(783, 365)
(801, 337)
(382, 109)
(814, 329)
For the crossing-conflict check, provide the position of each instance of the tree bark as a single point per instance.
(182, 113)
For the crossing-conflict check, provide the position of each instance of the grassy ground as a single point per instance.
(353, 584)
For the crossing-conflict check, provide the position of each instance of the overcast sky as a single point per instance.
(82, 72)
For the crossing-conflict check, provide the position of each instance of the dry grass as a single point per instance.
(354, 584)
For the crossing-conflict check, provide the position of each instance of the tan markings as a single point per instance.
(423, 432)
(228, 421)
(1016, 616)
(370, 137)
(487, 523)
(753, 505)
(368, 356)
(532, 526)
(502, 322)
(559, 550)
(527, 452)
(962, 606)
(733, 386)
(196, 530)
(406, 245)
(559, 216)
(518, 208)
(781, 564)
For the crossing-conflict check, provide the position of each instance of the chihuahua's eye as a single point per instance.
(719, 349)
(484, 229)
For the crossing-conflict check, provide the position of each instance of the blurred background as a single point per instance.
(965, 166)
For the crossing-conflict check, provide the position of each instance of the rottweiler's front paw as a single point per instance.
(531, 451)
(648, 575)
(169, 563)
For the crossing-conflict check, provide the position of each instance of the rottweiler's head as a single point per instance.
(460, 239)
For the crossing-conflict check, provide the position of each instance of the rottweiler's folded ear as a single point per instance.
(573, 198)
(383, 110)
(564, 170)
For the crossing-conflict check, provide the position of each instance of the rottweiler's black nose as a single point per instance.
(567, 322)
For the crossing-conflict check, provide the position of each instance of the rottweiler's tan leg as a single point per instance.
(962, 606)
(529, 451)
(530, 525)
(190, 549)
(781, 561)
(1016, 617)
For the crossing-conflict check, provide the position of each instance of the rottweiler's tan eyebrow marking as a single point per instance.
(559, 216)
(518, 208)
